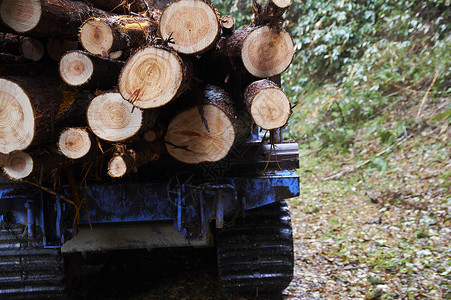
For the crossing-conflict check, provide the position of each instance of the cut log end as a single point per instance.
(117, 167)
(227, 22)
(16, 117)
(76, 68)
(18, 165)
(21, 15)
(267, 52)
(112, 118)
(32, 49)
(281, 3)
(192, 24)
(188, 141)
(96, 37)
(151, 77)
(270, 108)
(74, 143)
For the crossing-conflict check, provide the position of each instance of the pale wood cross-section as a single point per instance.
(207, 134)
(153, 76)
(76, 68)
(268, 105)
(193, 25)
(267, 52)
(18, 165)
(188, 141)
(74, 142)
(16, 117)
(112, 118)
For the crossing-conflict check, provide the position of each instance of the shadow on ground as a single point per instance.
(181, 273)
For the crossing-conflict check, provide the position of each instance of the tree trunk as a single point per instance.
(270, 13)
(264, 51)
(153, 76)
(268, 105)
(122, 6)
(32, 110)
(193, 26)
(112, 118)
(31, 49)
(50, 18)
(78, 68)
(56, 48)
(9, 43)
(188, 139)
(125, 160)
(154, 133)
(107, 36)
(74, 142)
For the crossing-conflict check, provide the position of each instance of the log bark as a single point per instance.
(56, 48)
(79, 68)
(74, 142)
(29, 48)
(153, 76)
(192, 25)
(121, 6)
(126, 160)
(32, 49)
(50, 18)
(32, 109)
(9, 43)
(154, 133)
(107, 36)
(112, 118)
(188, 139)
(268, 105)
(264, 51)
(270, 13)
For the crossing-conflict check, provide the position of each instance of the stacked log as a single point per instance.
(179, 80)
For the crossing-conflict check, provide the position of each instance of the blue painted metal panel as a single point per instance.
(132, 202)
(259, 191)
(126, 202)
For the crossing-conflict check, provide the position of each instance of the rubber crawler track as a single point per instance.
(27, 270)
(255, 256)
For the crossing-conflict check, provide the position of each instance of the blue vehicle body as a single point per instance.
(190, 199)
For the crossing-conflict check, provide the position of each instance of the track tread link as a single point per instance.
(255, 255)
(27, 269)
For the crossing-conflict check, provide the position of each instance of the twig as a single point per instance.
(355, 167)
(423, 101)
(52, 192)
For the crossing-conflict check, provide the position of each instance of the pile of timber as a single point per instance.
(126, 81)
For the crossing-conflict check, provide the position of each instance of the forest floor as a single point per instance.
(375, 222)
